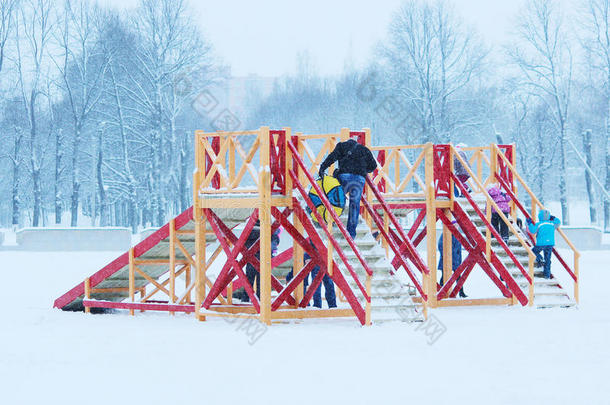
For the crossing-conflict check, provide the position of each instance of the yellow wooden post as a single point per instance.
(344, 134)
(493, 159)
(230, 293)
(396, 157)
(480, 165)
(172, 262)
(187, 283)
(132, 283)
(199, 220)
(265, 227)
(231, 162)
(368, 195)
(430, 226)
(533, 212)
(87, 293)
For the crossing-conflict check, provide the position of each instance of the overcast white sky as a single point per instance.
(264, 36)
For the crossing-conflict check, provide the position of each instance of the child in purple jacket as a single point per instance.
(503, 202)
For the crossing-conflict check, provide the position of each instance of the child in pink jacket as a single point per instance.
(503, 202)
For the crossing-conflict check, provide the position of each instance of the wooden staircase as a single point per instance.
(111, 283)
(547, 293)
(391, 298)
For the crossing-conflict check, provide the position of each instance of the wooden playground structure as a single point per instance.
(264, 175)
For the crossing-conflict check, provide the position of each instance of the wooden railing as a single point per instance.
(399, 177)
(230, 162)
(298, 167)
(480, 188)
(535, 205)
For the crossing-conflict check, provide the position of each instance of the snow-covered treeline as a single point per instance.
(98, 106)
(96, 115)
(435, 79)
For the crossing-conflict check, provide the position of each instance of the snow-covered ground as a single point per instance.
(509, 355)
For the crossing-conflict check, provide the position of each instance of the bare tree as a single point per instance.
(7, 11)
(33, 33)
(82, 68)
(12, 148)
(596, 41)
(545, 63)
(168, 45)
(432, 57)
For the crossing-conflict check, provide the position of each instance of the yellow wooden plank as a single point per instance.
(264, 215)
(450, 302)
(312, 313)
(87, 293)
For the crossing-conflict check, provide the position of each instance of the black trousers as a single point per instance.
(500, 225)
(252, 275)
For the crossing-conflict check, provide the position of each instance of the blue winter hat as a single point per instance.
(544, 215)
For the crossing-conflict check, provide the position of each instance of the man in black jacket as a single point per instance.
(355, 161)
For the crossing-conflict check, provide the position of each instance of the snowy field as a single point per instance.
(509, 355)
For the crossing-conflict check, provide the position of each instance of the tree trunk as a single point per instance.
(57, 200)
(131, 181)
(563, 189)
(15, 195)
(15, 188)
(37, 197)
(589, 160)
(100, 181)
(607, 185)
(74, 199)
(538, 183)
(34, 166)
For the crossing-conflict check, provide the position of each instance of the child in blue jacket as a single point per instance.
(456, 259)
(545, 238)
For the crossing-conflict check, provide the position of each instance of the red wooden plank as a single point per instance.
(249, 255)
(397, 254)
(314, 235)
(488, 225)
(469, 228)
(410, 249)
(281, 258)
(293, 284)
(527, 215)
(330, 210)
(416, 224)
(311, 288)
(221, 283)
(402, 206)
(320, 252)
(349, 295)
